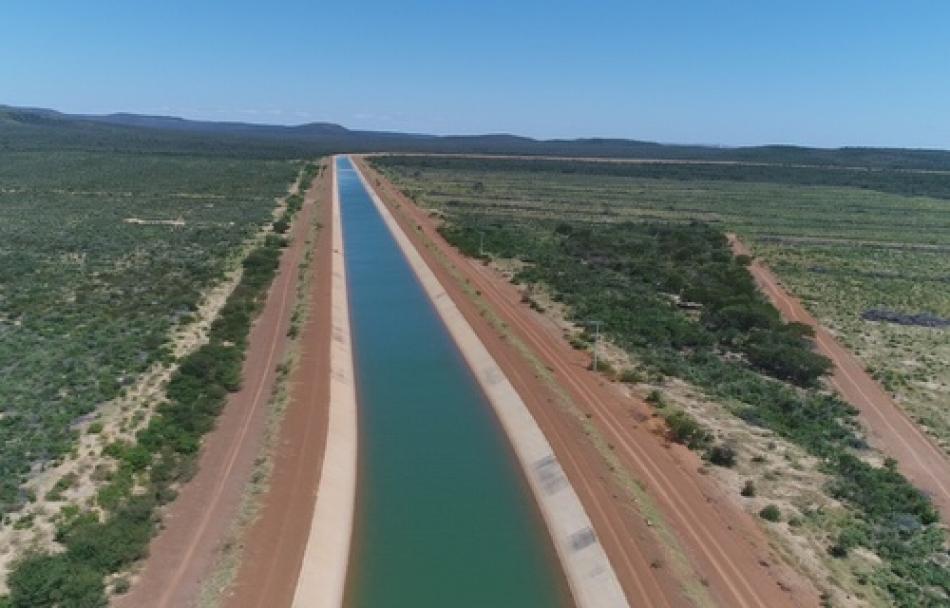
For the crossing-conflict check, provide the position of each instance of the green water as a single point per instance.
(443, 517)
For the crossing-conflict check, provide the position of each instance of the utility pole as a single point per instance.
(481, 243)
(596, 325)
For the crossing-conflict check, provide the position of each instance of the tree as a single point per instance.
(53, 581)
(722, 455)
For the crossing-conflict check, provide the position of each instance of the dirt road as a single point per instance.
(196, 524)
(274, 545)
(727, 550)
(889, 428)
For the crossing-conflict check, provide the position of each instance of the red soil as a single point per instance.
(724, 544)
(196, 524)
(274, 545)
(889, 428)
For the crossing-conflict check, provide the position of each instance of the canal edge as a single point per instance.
(590, 576)
(321, 580)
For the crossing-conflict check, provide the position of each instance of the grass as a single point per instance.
(628, 251)
(839, 283)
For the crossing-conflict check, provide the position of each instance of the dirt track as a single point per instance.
(889, 428)
(196, 524)
(274, 545)
(724, 545)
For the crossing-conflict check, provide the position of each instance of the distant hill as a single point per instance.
(172, 123)
(20, 126)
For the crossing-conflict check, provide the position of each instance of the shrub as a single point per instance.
(748, 489)
(294, 203)
(603, 367)
(838, 550)
(686, 430)
(784, 360)
(121, 585)
(632, 376)
(55, 581)
(770, 513)
(280, 226)
(117, 542)
(722, 455)
(62, 484)
(854, 533)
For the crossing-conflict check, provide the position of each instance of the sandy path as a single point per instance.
(182, 554)
(724, 544)
(889, 427)
(274, 545)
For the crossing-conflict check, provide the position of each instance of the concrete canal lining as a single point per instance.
(322, 578)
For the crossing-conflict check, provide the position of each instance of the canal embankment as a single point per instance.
(322, 576)
(589, 574)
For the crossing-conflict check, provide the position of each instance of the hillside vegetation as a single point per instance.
(28, 126)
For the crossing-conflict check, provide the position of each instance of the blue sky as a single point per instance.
(733, 72)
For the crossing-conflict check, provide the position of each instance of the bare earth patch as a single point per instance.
(139, 221)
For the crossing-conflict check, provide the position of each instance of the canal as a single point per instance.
(443, 517)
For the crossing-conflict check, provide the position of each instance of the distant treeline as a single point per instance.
(33, 128)
(911, 183)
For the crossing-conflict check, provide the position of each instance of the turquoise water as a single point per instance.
(443, 517)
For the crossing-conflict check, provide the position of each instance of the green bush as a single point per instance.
(115, 543)
(770, 513)
(632, 376)
(54, 581)
(121, 585)
(685, 429)
(785, 358)
(280, 226)
(722, 455)
(62, 484)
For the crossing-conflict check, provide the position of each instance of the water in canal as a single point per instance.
(443, 517)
